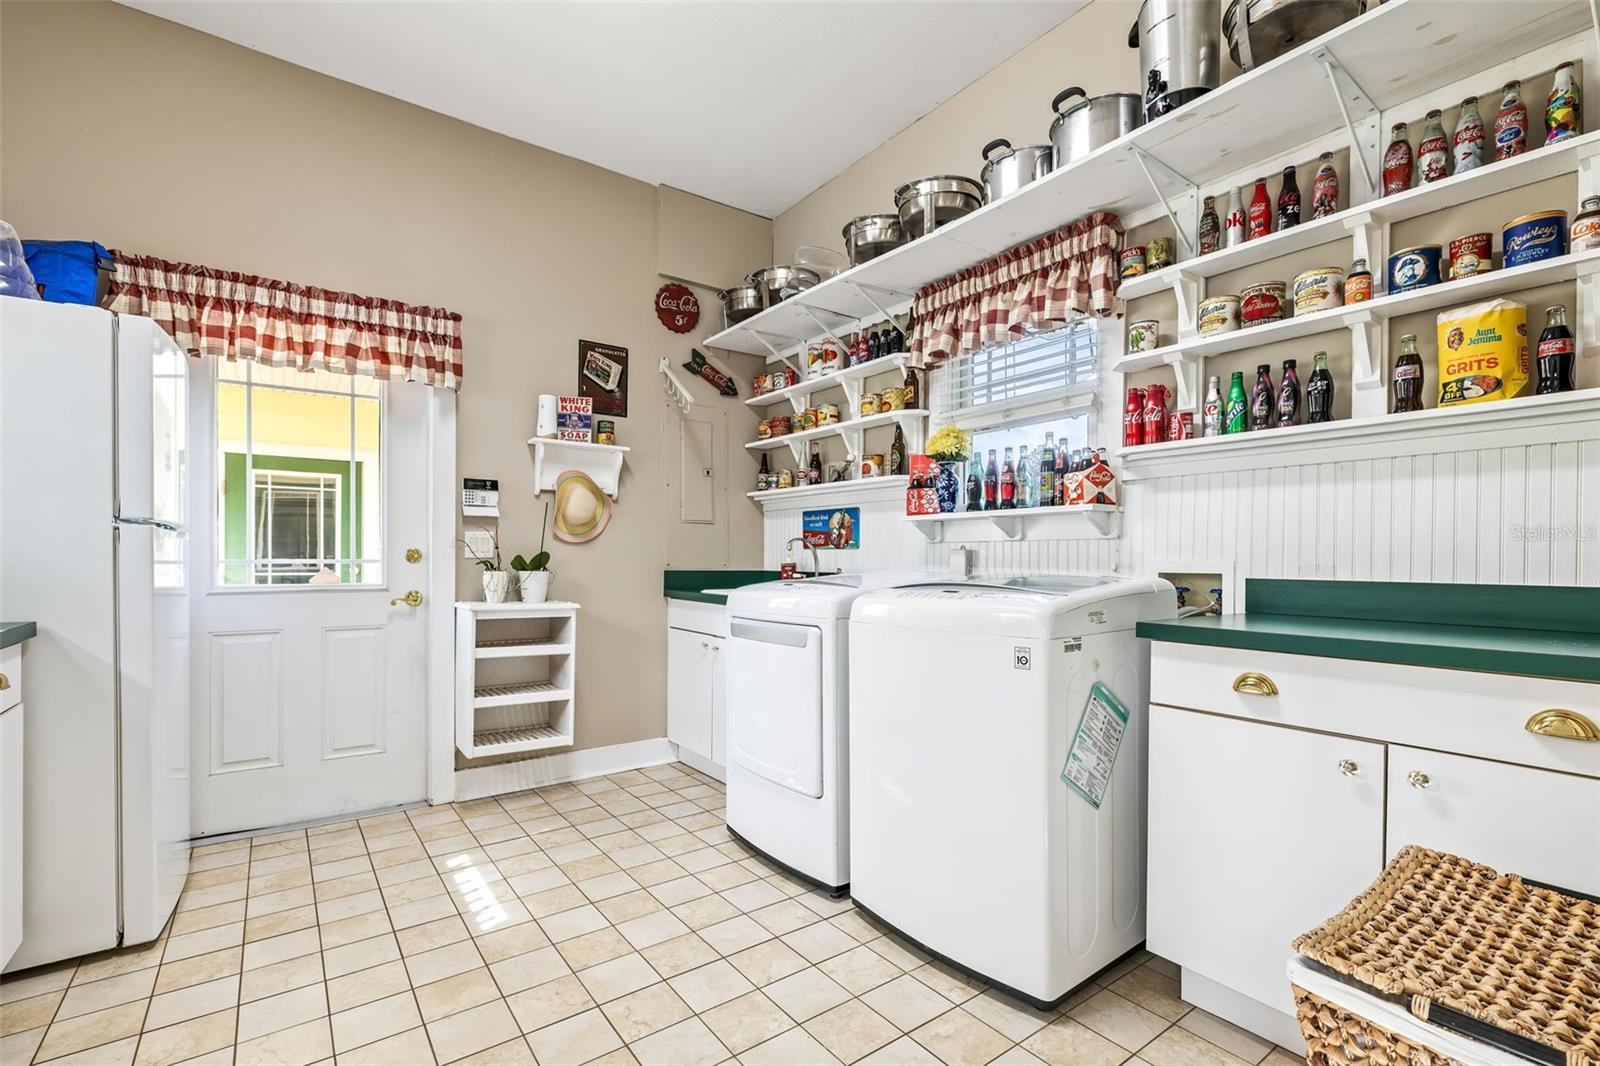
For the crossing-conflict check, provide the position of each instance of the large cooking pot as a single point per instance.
(740, 302)
(1279, 26)
(869, 236)
(777, 282)
(928, 203)
(1091, 122)
(1179, 43)
(1007, 169)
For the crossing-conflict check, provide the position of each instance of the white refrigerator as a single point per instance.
(92, 458)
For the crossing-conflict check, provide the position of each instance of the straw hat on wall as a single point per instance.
(582, 510)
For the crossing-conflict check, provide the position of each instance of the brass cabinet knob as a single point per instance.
(1348, 768)
(410, 599)
(1560, 722)
(1251, 683)
(1418, 779)
(5, 682)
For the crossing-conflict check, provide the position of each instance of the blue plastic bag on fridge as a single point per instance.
(69, 272)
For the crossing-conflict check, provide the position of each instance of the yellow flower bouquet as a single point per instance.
(949, 445)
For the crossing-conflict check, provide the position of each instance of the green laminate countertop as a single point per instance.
(16, 632)
(692, 585)
(1523, 630)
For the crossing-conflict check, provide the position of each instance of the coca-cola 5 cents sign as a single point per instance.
(677, 307)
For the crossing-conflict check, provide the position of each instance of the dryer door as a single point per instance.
(775, 702)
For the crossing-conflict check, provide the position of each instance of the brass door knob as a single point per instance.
(1348, 768)
(413, 555)
(1251, 683)
(1418, 779)
(410, 599)
(1560, 722)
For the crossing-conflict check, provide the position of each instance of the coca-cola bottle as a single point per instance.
(1155, 414)
(1556, 349)
(1211, 413)
(1047, 471)
(1288, 201)
(1210, 227)
(1236, 411)
(1433, 151)
(1289, 395)
(1133, 418)
(1397, 161)
(1233, 225)
(1563, 112)
(974, 486)
(1063, 464)
(1467, 144)
(1008, 482)
(1319, 391)
(1511, 123)
(1259, 223)
(991, 484)
(1261, 399)
(1325, 187)
(1408, 376)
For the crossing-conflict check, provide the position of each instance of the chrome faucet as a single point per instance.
(816, 567)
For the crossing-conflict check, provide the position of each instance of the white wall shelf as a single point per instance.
(1014, 523)
(552, 458)
(1342, 80)
(833, 491)
(1562, 417)
(516, 672)
(913, 424)
(798, 393)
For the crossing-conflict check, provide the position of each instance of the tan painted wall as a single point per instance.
(164, 141)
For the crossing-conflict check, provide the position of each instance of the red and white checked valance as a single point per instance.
(241, 316)
(1035, 286)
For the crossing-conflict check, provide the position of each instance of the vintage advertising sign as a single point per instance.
(603, 377)
(831, 527)
(677, 307)
(574, 418)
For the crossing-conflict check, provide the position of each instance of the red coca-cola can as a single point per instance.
(1180, 425)
(1155, 414)
(1133, 418)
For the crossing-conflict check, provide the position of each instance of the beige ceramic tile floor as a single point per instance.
(611, 920)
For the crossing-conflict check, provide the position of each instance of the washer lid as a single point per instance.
(824, 597)
(1033, 606)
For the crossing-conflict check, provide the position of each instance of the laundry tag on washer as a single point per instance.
(1094, 746)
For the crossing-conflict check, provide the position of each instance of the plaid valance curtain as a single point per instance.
(1035, 286)
(241, 316)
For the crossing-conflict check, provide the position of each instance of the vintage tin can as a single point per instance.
(764, 429)
(1472, 254)
(813, 360)
(1586, 227)
(780, 426)
(894, 398)
(1218, 314)
(1318, 290)
(871, 465)
(827, 414)
(1262, 303)
(786, 479)
(1132, 261)
(1159, 252)
(1144, 336)
(871, 403)
(1414, 268)
(1153, 426)
(605, 431)
(1534, 237)
(1180, 425)
(806, 419)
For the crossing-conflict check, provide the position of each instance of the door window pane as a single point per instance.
(170, 423)
(299, 496)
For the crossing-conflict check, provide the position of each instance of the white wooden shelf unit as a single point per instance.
(552, 458)
(887, 485)
(516, 671)
(1014, 523)
(913, 423)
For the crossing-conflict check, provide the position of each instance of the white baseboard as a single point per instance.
(704, 765)
(1248, 1014)
(500, 778)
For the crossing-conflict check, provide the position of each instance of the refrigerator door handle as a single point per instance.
(158, 523)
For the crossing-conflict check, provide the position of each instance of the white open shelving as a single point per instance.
(1014, 523)
(844, 428)
(798, 393)
(552, 458)
(834, 491)
(516, 672)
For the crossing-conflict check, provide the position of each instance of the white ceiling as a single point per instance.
(753, 103)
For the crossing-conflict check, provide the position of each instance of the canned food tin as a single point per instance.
(1262, 303)
(786, 479)
(1159, 252)
(764, 429)
(804, 420)
(780, 426)
(605, 431)
(832, 357)
(1534, 237)
(814, 359)
(1414, 268)
(871, 465)
(1219, 314)
(1585, 233)
(1358, 288)
(1132, 261)
(1144, 336)
(1318, 290)
(894, 399)
(827, 414)
(870, 403)
(1472, 254)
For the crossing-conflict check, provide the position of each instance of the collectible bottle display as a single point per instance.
(1433, 152)
(1211, 413)
(1233, 225)
(1511, 123)
(1408, 376)
(1235, 412)
(1467, 147)
(1556, 350)
(1259, 220)
(1288, 201)
(1289, 395)
(1325, 187)
(1397, 161)
(1261, 399)
(1025, 478)
(1319, 391)
(1563, 112)
(1047, 471)
(991, 484)
(1008, 483)
(1210, 227)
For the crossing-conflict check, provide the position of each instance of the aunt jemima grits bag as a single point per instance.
(1483, 352)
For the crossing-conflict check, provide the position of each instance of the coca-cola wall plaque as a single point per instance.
(603, 377)
(677, 307)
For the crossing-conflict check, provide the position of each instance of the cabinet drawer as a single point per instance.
(708, 618)
(1457, 710)
(11, 670)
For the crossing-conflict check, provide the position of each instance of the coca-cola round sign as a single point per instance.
(677, 308)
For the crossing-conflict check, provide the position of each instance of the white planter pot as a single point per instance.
(496, 583)
(534, 585)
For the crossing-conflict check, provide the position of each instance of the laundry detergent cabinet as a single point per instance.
(1281, 783)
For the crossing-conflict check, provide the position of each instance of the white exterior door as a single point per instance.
(310, 685)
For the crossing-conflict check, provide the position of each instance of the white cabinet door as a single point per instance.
(11, 830)
(719, 702)
(1537, 823)
(690, 665)
(1257, 834)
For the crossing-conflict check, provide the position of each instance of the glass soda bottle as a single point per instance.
(1408, 376)
(1261, 399)
(1047, 471)
(975, 485)
(1210, 227)
(1211, 413)
(1467, 148)
(1563, 112)
(1511, 123)
(1025, 481)
(1556, 351)
(1008, 482)
(1325, 187)
(1288, 201)
(1319, 391)
(1397, 161)
(1433, 151)
(1233, 225)
(1061, 475)
(1289, 395)
(991, 484)
(1235, 415)
(1259, 220)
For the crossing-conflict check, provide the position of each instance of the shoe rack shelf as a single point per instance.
(516, 676)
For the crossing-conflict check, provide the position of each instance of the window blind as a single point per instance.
(1056, 367)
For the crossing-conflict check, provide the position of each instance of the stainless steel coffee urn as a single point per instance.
(1179, 44)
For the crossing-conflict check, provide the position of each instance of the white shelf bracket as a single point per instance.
(827, 330)
(798, 449)
(932, 532)
(1186, 289)
(1187, 370)
(1354, 105)
(865, 292)
(852, 443)
(1190, 190)
(1368, 342)
(776, 353)
(1009, 527)
(1369, 240)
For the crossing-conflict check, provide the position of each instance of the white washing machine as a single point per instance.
(965, 699)
(787, 694)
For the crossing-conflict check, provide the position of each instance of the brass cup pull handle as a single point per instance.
(1560, 722)
(1418, 779)
(1251, 683)
(410, 599)
(5, 682)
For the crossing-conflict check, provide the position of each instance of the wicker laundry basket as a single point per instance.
(1512, 966)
